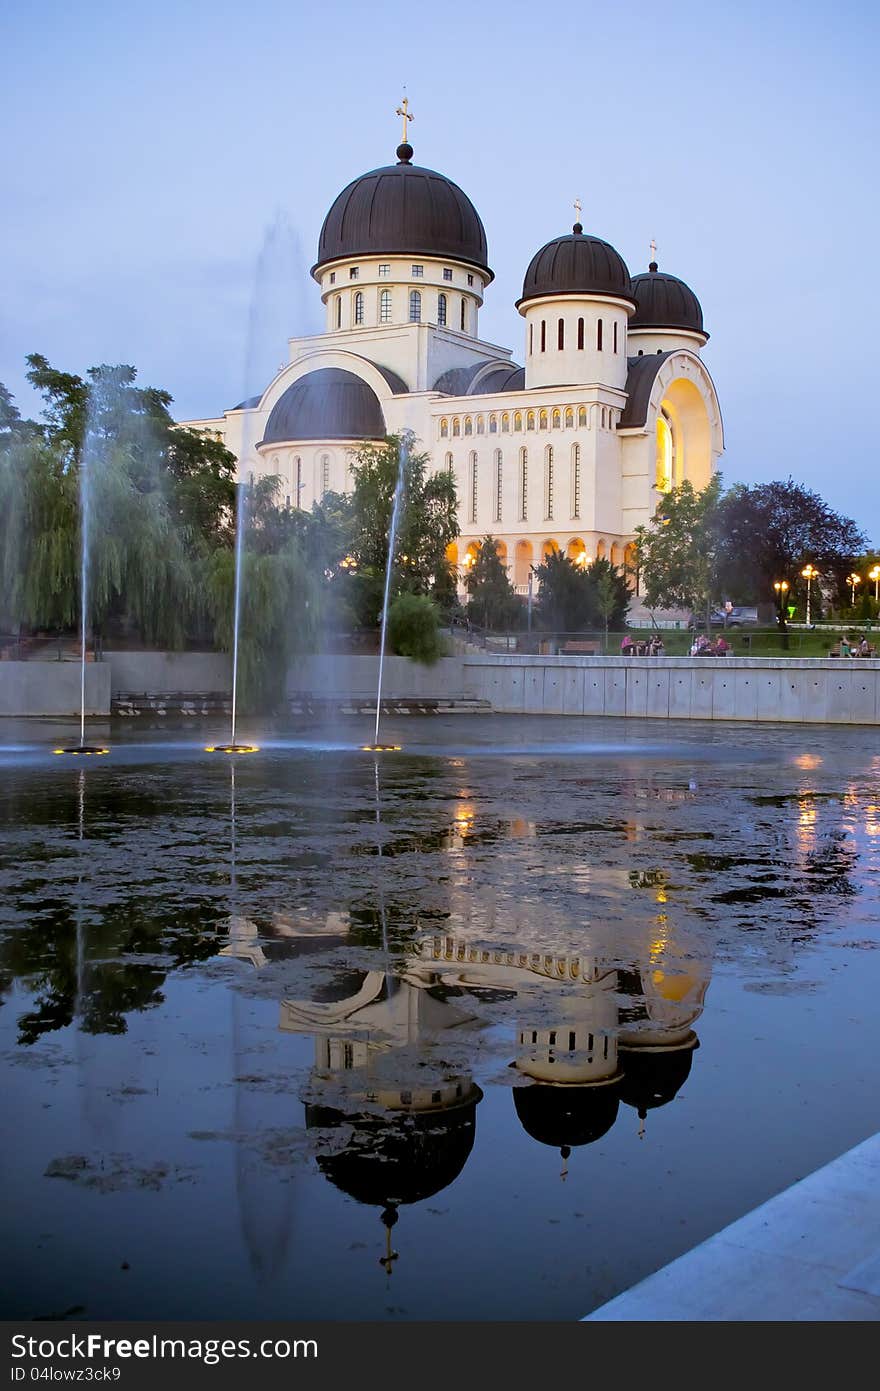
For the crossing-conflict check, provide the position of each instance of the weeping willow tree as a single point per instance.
(283, 602)
(39, 537)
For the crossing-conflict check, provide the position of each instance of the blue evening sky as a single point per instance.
(149, 148)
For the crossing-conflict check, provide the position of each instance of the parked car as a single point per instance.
(740, 616)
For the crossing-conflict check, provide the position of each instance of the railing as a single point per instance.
(741, 642)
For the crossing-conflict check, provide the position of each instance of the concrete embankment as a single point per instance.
(800, 690)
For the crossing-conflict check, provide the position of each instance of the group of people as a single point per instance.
(647, 647)
(703, 646)
(853, 647)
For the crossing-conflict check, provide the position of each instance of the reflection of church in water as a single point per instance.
(391, 1101)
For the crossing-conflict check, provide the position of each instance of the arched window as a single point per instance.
(530, 420)
(576, 480)
(339, 311)
(599, 334)
(468, 425)
(493, 425)
(444, 429)
(582, 415)
(299, 481)
(580, 334)
(481, 425)
(603, 417)
(441, 310)
(464, 315)
(543, 335)
(499, 482)
(448, 463)
(557, 420)
(665, 475)
(542, 420)
(615, 335)
(505, 423)
(359, 307)
(385, 307)
(325, 474)
(523, 485)
(548, 482)
(569, 418)
(531, 338)
(641, 352)
(456, 427)
(560, 334)
(517, 420)
(473, 480)
(415, 306)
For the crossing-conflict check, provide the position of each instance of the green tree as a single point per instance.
(577, 598)
(492, 600)
(413, 628)
(427, 522)
(680, 550)
(769, 531)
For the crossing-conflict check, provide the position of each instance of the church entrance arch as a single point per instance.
(684, 437)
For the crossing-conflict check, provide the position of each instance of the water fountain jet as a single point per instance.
(402, 456)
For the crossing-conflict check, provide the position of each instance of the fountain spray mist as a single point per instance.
(403, 455)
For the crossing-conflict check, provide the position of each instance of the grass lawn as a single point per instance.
(754, 642)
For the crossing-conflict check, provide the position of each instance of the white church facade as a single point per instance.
(571, 451)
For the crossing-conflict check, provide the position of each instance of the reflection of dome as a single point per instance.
(329, 404)
(403, 210)
(564, 1117)
(654, 1079)
(399, 1158)
(576, 265)
(664, 301)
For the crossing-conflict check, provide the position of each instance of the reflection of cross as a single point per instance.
(653, 249)
(577, 209)
(404, 111)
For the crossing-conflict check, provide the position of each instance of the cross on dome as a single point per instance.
(578, 226)
(404, 111)
(652, 264)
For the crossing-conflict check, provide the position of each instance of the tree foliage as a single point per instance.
(575, 598)
(679, 552)
(769, 531)
(413, 628)
(492, 600)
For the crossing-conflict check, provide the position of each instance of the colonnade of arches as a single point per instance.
(521, 556)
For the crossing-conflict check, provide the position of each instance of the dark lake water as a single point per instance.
(490, 1028)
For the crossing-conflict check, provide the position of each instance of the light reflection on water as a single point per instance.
(446, 1034)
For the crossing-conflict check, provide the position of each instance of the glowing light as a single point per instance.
(381, 748)
(232, 748)
(808, 761)
(84, 751)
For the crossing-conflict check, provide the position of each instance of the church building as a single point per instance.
(571, 451)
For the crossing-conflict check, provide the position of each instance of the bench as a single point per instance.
(570, 648)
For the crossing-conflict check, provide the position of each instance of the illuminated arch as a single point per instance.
(522, 560)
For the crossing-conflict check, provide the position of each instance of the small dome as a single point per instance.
(402, 1158)
(329, 404)
(403, 210)
(566, 1116)
(654, 1079)
(576, 265)
(664, 301)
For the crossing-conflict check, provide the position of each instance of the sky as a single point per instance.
(156, 155)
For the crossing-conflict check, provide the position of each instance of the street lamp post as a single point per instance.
(875, 576)
(852, 580)
(809, 573)
(781, 587)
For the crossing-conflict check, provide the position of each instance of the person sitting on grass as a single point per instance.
(722, 646)
(626, 647)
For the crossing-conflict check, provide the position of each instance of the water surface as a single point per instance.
(487, 1029)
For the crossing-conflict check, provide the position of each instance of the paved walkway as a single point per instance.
(812, 1253)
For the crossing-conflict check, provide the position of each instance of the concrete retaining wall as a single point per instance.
(167, 673)
(357, 676)
(53, 688)
(812, 690)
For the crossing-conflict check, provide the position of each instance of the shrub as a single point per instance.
(413, 628)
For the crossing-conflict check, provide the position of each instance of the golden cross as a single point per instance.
(404, 111)
(577, 209)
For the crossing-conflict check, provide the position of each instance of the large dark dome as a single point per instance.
(566, 1116)
(664, 301)
(329, 404)
(576, 265)
(403, 210)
